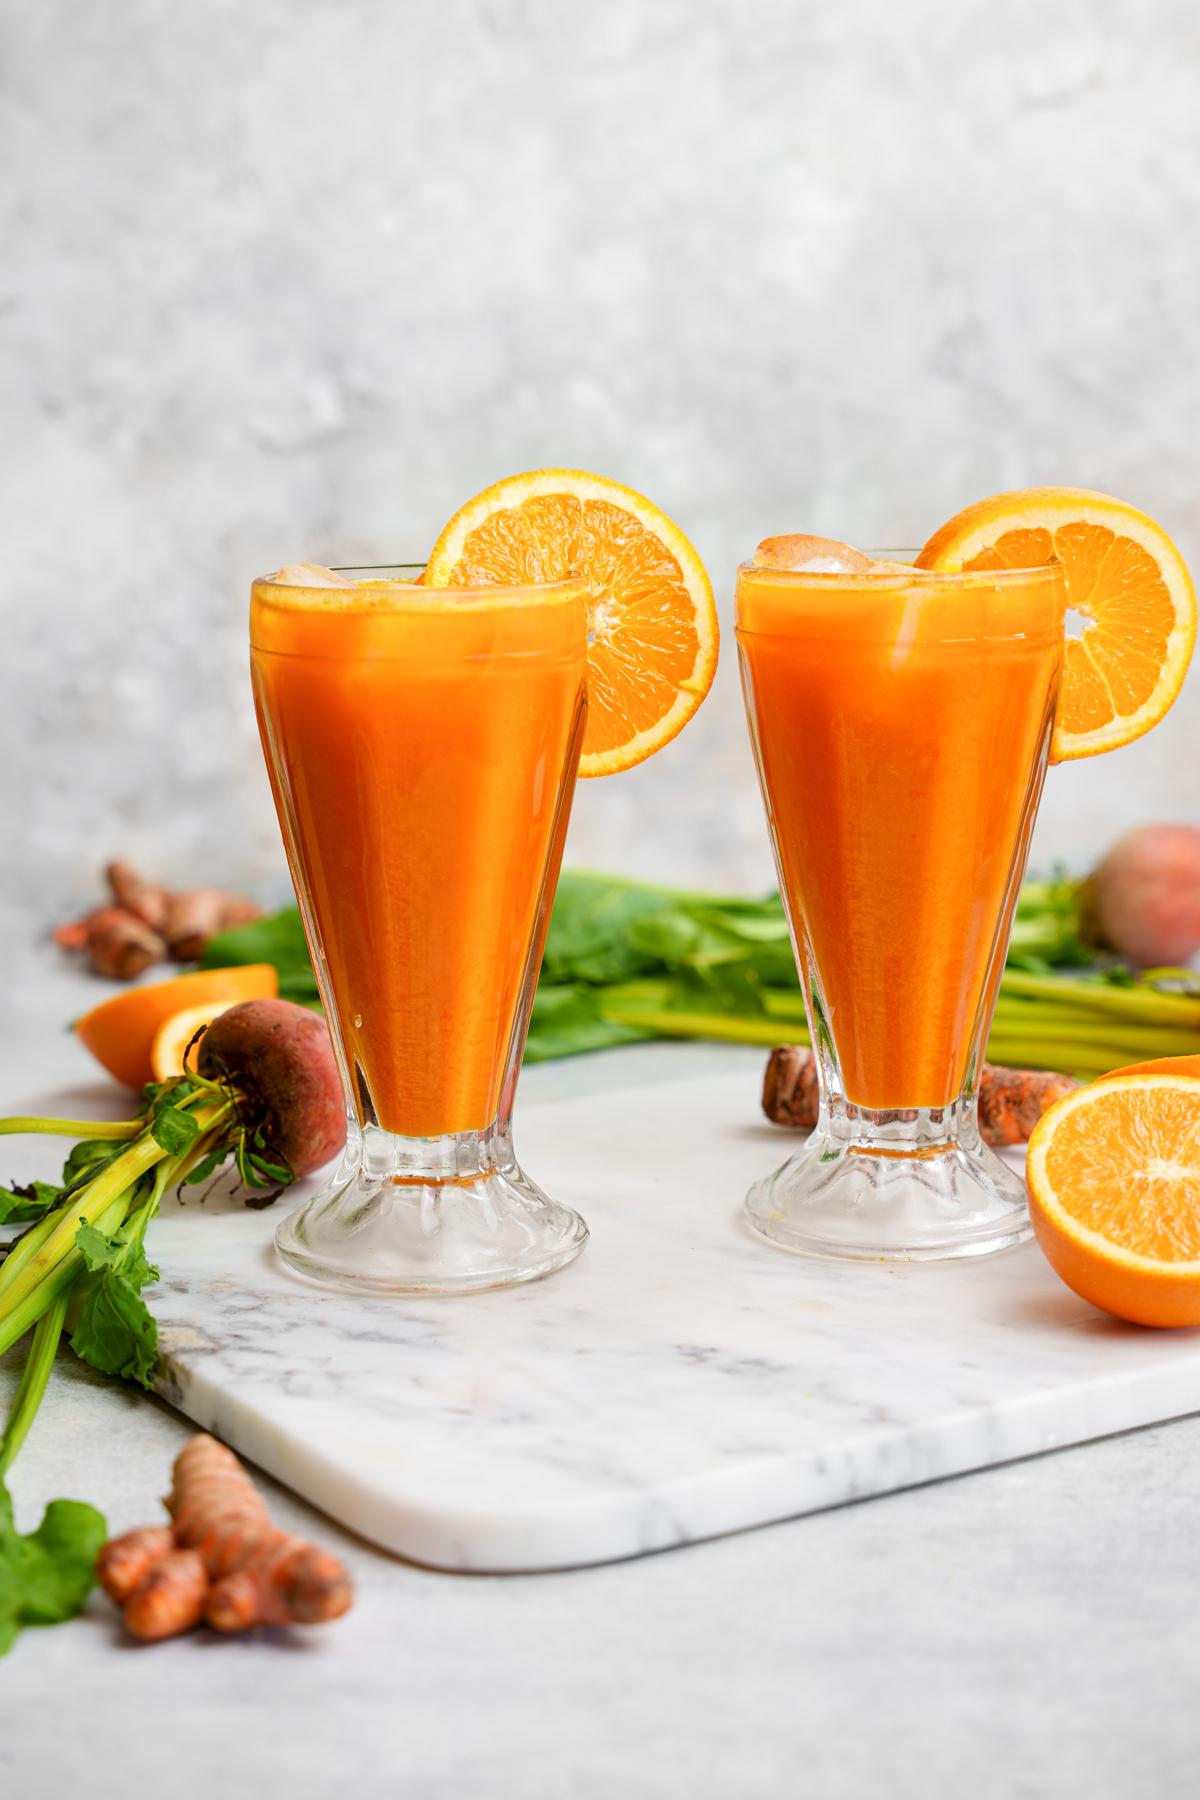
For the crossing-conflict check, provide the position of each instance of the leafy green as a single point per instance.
(625, 960)
(25, 1201)
(277, 938)
(46, 1575)
(567, 1020)
(173, 1130)
(115, 1330)
(88, 1154)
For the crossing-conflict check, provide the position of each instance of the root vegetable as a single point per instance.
(171, 1598)
(1145, 895)
(144, 899)
(222, 1560)
(279, 1057)
(125, 1561)
(118, 942)
(144, 920)
(1011, 1101)
(197, 915)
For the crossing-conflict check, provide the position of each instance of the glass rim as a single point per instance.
(398, 581)
(836, 577)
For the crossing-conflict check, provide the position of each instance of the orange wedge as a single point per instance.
(652, 627)
(1126, 582)
(1114, 1194)
(173, 1036)
(120, 1032)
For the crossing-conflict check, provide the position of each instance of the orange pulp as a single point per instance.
(901, 726)
(422, 748)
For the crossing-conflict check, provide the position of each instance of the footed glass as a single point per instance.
(901, 723)
(422, 746)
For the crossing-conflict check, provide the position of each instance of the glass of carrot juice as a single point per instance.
(422, 746)
(901, 723)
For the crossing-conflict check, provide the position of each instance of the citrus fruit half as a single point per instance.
(652, 621)
(173, 1036)
(1127, 584)
(1114, 1195)
(120, 1032)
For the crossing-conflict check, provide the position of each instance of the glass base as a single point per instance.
(449, 1215)
(892, 1187)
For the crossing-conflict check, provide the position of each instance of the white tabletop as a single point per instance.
(1023, 1631)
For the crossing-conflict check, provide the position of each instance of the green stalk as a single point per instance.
(34, 1377)
(1138, 1002)
(26, 1246)
(57, 1249)
(54, 1284)
(76, 1128)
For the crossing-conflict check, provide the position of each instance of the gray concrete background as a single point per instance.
(290, 280)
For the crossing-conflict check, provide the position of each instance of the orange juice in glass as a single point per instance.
(422, 746)
(901, 723)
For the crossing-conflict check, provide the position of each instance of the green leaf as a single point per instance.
(25, 1201)
(277, 939)
(270, 1171)
(173, 1130)
(567, 1020)
(46, 1576)
(88, 1155)
(125, 1256)
(115, 1330)
(208, 1165)
(589, 939)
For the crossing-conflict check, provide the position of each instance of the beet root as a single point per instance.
(280, 1059)
(1145, 895)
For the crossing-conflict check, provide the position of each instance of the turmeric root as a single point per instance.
(170, 1598)
(1011, 1101)
(145, 922)
(222, 1560)
(125, 1561)
(198, 914)
(144, 899)
(118, 942)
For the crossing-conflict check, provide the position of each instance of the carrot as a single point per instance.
(222, 1559)
(1011, 1101)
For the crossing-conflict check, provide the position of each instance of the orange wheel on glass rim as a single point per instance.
(652, 620)
(1125, 578)
(1114, 1195)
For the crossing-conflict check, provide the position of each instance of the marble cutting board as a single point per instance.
(680, 1380)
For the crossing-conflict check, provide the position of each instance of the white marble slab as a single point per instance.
(679, 1381)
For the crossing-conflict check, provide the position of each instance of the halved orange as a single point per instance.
(173, 1036)
(120, 1032)
(652, 620)
(1162, 1065)
(1125, 579)
(1114, 1195)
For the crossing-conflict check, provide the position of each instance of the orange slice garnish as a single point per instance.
(652, 621)
(1114, 1194)
(1126, 582)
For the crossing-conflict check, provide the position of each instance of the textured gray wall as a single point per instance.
(289, 280)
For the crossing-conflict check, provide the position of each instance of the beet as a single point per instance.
(280, 1059)
(1145, 895)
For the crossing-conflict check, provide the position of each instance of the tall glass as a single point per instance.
(422, 746)
(901, 723)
